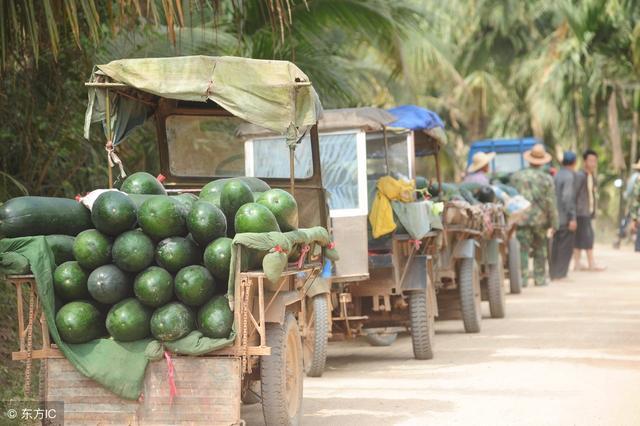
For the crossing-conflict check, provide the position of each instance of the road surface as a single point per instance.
(567, 354)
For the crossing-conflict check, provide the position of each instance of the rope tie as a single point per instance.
(304, 252)
(173, 391)
(416, 244)
(279, 249)
(331, 245)
(113, 158)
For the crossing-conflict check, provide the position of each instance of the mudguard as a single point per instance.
(417, 276)
(278, 307)
(465, 249)
(491, 252)
(321, 285)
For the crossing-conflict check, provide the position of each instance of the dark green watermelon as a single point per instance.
(194, 285)
(128, 320)
(142, 183)
(206, 222)
(70, 281)
(172, 321)
(212, 189)
(234, 195)
(109, 284)
(113, 212)
(132, 251)
(215, 318)
(161, 217)
(283, 206)
(61, 246)
(91, 249)
(254, 217)
(153, 286)
(186, 201)
(175, 253)
(217, 259)
(79, 322)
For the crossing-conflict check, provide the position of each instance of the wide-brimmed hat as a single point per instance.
(636, 166)
(479, 160)
(537, 155)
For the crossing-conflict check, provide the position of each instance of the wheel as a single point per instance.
(515, 272)
(381, 339)
(469, 286)
(281, 374)
(495, 287)
(316, 336)
(422, 325)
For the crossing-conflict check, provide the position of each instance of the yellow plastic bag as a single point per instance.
(381, 216)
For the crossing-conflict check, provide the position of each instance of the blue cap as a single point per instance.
(569, 157)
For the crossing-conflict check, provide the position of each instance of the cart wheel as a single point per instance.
(495, 287)
(515, 272)
(469, 285)
(316, 336)
(422, 325)
(381, 339)
(281, 374)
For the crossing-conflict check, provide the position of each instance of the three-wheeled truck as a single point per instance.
(198, 103)
(379, 287)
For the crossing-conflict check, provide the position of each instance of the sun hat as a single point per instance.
(537, 155)
(479, 160)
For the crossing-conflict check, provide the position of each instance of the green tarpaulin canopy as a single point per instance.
(275, 95)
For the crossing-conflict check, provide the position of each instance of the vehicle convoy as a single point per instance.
(190, 294)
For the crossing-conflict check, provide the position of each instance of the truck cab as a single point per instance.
(509, 153)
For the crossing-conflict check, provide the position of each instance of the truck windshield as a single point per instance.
(507, 162)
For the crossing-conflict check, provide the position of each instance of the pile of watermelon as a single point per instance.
(155, 264)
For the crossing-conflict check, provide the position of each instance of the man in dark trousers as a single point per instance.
(586, 198)
(563, 239)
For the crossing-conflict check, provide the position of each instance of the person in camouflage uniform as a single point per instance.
(634, 208)
(536, 186)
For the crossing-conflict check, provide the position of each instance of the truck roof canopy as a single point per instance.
(275, 95)
(416, 118)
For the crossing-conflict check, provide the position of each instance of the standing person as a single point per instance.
(634, 207)
(563, 239)
(479, 167)
(536, 186)
(586, 199)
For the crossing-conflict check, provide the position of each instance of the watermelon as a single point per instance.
(234, 195)
(283, 206)
(212, 189)
(254, 217)
(26, 216)
(70, 281)
(79, 322)
(217, 259)
(132, 251)
(109, 284)
(128, 320)
(175, 253)
(153, 286)
(142, 183)
(172, 322)
(161, 217)
(91, 249)
(186, 201)
(61, 246)
(215, 318)
(194, 285)
(113, 212)
(206, 222)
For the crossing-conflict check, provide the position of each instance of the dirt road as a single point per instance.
(568, 354)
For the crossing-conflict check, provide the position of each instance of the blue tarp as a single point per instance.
(415, 118)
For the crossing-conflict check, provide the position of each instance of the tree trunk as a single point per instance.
(634, 140)
(614, 133)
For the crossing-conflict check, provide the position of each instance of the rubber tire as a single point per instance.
(314, 364)
(495, 289)
(515, 271)
(469, 287)
(422, 325)
(381, 339)
(274, 372)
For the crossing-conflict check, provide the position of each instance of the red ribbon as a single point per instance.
(161, 178)
(331, 245)
(305, 250)
(78, 198)
(416, 243)
(173, 391)
(278, 249)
